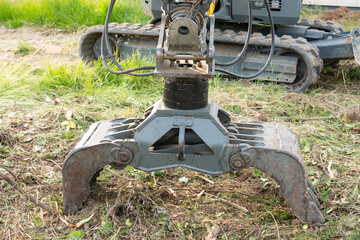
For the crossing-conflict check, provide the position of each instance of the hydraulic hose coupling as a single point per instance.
(212, 7)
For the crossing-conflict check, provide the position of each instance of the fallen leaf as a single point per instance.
(128, 223)
(68, 124)
(305, 227)
(37, 148)
(8, 164)
(200, 194)
(77, 100)
(213, 232)
(72, 124)
(86, 220)
(10, 114)
(259, 103)
(76, 235)
(68, 115)
(183, 180)
(28, 139)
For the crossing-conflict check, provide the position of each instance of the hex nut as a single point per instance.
(239, 160)
(124, 156)
(246, 158)
(120, 155)
(237, 163)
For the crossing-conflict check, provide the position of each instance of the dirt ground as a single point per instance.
(161, 202)
(51, 45)
(342, 13)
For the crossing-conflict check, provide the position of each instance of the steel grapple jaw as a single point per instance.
(288, 171)
(203, 140)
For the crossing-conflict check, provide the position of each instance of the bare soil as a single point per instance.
(352, 113)
(51, 45)
(341, 13)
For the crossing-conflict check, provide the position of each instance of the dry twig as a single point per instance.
(277, 227)
(17, 187)
(112, 210)
(228, 203)
(311, 119)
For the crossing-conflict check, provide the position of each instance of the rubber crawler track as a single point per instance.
(328, 26)
(312, 64)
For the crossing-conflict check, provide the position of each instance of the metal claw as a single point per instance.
(80, 167)
(288, 171)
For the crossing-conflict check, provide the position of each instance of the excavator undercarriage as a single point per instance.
(302, 49)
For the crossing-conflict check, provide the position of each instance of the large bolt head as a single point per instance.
(238, 163)
(240, 160)
(124, 156)
(246, 158)
(120, 155)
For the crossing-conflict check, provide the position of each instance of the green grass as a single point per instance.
(68, 14)
(15, 80)
(24, 49)
(101, 96)
(34, 101)
(80, 80)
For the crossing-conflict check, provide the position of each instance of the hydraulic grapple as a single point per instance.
(185, 129)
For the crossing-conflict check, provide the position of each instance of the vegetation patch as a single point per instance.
(342, 15)
(46, 109)
(35, 140)
(67, 14)
(24, 49)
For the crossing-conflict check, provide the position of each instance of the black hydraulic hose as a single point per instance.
(197, 11)
(168, 9)
(243, 51)
(270, 54)
(105, 41)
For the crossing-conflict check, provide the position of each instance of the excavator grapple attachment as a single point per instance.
(203, 140)
(185, 129)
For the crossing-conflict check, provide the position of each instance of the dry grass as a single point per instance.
(158, 205)
(33, 145)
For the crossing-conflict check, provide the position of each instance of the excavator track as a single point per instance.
(308, 67)
(328, 26)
